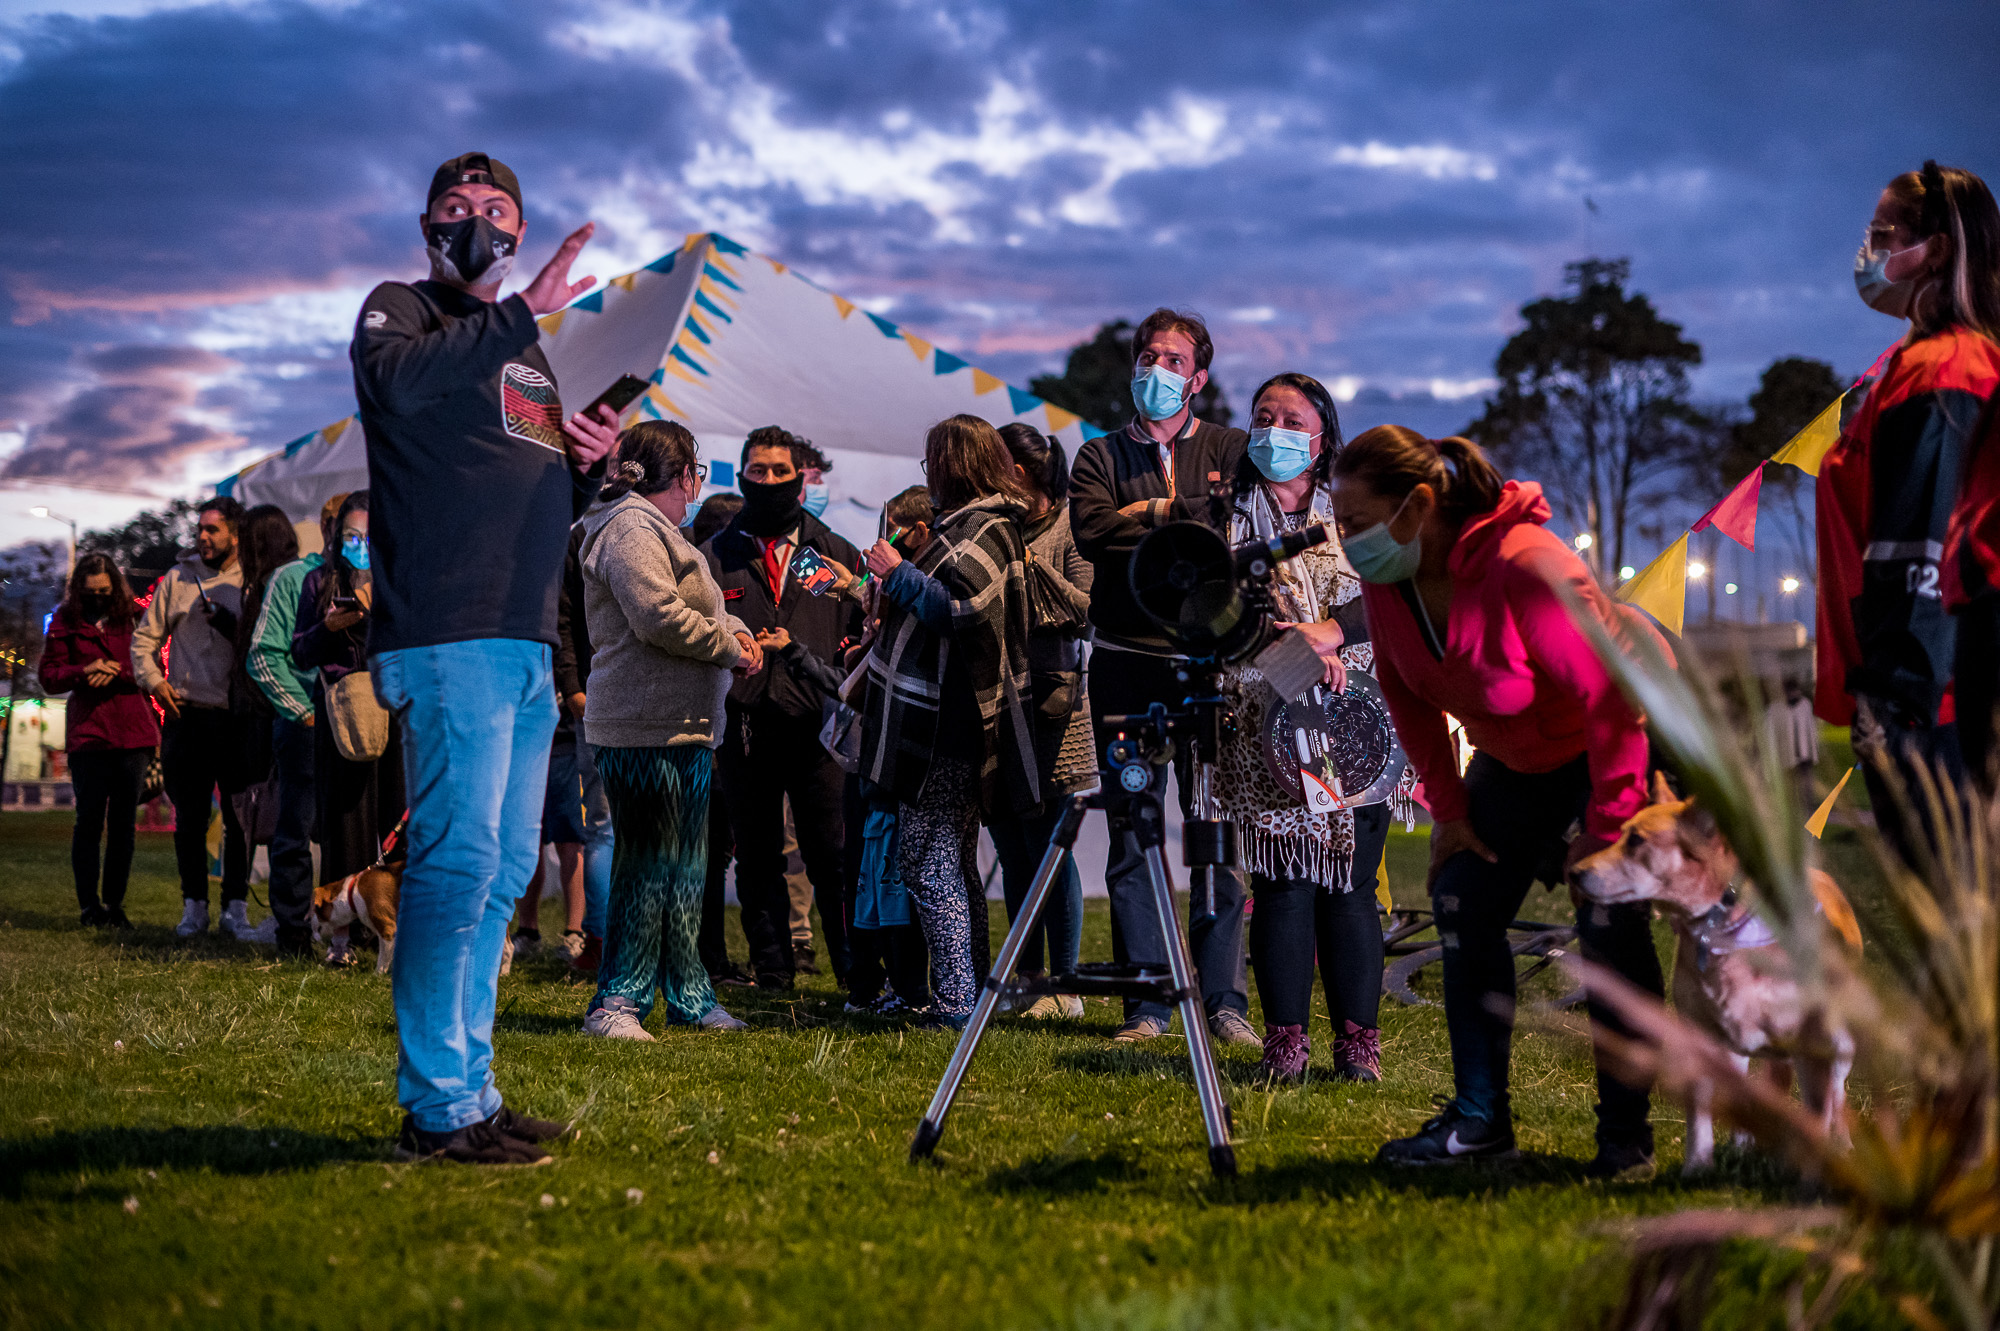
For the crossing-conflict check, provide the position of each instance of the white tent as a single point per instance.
(731, 340)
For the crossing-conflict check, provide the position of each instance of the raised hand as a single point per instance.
(552, 289)
(591, 441)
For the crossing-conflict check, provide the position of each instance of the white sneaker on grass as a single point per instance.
(715, 1019)
(235, 919)
(1051, 1006)
(618, 1019)
(194, 918)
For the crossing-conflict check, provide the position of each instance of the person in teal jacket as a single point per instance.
(288, 688)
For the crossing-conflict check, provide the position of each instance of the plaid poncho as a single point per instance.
(977, 556)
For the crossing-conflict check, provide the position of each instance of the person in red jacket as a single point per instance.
(1465, 594)
(1888, 487)
(112, 729)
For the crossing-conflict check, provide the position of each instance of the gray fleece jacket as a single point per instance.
(198, 657)
(661, 643)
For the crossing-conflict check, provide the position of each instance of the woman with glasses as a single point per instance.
(663, 650)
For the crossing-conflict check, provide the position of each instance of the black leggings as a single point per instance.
(106, 782)
(1295, 917)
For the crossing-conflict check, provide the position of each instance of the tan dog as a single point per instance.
(1731, 978)
(370, 897)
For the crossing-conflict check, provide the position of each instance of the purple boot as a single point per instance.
(1357, 1053)
(1286, 1052)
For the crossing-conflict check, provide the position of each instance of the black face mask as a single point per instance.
(772, 510)
(473, 252)
(95, 605)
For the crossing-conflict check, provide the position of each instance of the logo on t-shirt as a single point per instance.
(529, 406)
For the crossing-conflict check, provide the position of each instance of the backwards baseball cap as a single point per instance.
(474, 169)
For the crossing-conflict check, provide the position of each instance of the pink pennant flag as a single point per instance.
(1736, 516)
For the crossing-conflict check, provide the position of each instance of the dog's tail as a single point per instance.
(1834, 904)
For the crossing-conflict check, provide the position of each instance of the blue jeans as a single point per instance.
(291, 841)
(477, 718)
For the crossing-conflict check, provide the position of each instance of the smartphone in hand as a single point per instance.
(619, 396)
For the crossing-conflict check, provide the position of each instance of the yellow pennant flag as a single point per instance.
(983, 383)
(1059, 419)
(624, 281)
(1817, 823)
(331, 434)
(662, 401)
(918, 345)
(1661, 587)
(1383, 898)
(1810, 445)
(551, 323)
(843, 304)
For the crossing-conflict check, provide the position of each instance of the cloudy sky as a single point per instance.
(198, 195)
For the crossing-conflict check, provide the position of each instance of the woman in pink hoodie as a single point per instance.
(1461, 584)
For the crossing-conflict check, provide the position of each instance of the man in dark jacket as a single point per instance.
(475, 477)
(1158, 469)
(771, 748)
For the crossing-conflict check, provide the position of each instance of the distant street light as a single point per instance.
(1583, 541)
(1697, 570)
(42, 511)
(1627, 572)
(1788, 585)
(1729, 587)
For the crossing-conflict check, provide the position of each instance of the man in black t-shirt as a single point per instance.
(474, 478)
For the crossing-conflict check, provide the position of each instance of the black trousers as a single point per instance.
(291, 844)
(201, 750)
(1976, 680)
(107, 798)
(1122, 683)
(1296, 919)
(765, 757)
(711, 939)
(358, 804)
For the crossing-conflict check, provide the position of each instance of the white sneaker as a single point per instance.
(1072, 1006)
(194, 919)
(266, 933)
(570, 946)
(715, 1019)
(616, 1021)
(235, 919)
(1043, 1008)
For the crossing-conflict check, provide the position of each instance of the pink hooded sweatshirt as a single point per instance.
(1516, 671)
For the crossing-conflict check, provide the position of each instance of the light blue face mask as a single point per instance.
(354, 549)
(1158, 393)
(1279, 453)
(813, 499)
(1379, 557)
(1871, 280)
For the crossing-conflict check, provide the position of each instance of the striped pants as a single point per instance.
(659, 863)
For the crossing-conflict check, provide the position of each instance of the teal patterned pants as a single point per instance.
(659, 862)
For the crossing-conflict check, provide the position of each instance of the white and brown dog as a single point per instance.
(1731, 978)
(370, 897)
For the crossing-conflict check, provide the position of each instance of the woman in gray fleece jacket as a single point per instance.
(663, 649)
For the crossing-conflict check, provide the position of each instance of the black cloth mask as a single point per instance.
(472, 252)
(772, 510)
(94, 605)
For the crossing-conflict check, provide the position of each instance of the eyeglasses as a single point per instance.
(700, 470)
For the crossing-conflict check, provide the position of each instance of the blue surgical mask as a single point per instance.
(1871, 279)
(354, 549)
(1379, 557)
(1158, 393)
(1279, 453)
(814, 499)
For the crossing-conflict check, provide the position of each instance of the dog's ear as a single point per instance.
(1662, 792)
(1698, 822)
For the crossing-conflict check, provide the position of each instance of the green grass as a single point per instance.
(200, 1136)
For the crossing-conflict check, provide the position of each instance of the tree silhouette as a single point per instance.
(1593, 403)
(1096, 382)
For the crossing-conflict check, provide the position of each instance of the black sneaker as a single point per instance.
(1631, 1163)
(114, 918)
(806, 964)
(92, 917)
(523, 1128)
(778, 980)
(1450, 1138)
(731, 976)
(476, 1144)
(294, 943)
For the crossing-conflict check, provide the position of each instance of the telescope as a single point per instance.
(1211, 600)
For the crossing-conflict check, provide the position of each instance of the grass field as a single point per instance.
(200, 1136)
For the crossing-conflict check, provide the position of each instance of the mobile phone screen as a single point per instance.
(619, 396)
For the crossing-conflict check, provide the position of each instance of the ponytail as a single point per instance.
(652, 456)
(1393, 460)
(1041, 456)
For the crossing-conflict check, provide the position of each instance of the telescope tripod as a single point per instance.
(1130, 802)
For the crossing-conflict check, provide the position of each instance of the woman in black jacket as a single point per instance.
(360, 803)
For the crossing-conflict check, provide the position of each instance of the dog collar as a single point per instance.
(1720, 930)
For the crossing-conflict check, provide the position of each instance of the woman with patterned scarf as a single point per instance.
(1313, 873)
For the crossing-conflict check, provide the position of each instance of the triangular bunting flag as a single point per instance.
(294, 446)
(776, 267)
(594, 302)
(918, 345)
(1059, 420)
(1810, 445)
(658, 398)
(726, 245)
(1021, 400)
(1736, 516)
(710, 270)
(843, 304)
(624, 281)
(984, 383)
(1661, 587)
(701, 299)
(678, 354)
(946, 363)
(551, 323)
(1817, 823)
(1090, 431)
(694, 326)
(694, 238)
(882, 325)
(663, 264)
(332, 433)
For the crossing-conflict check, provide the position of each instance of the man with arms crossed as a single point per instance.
(475, 478)
(1156, 470)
